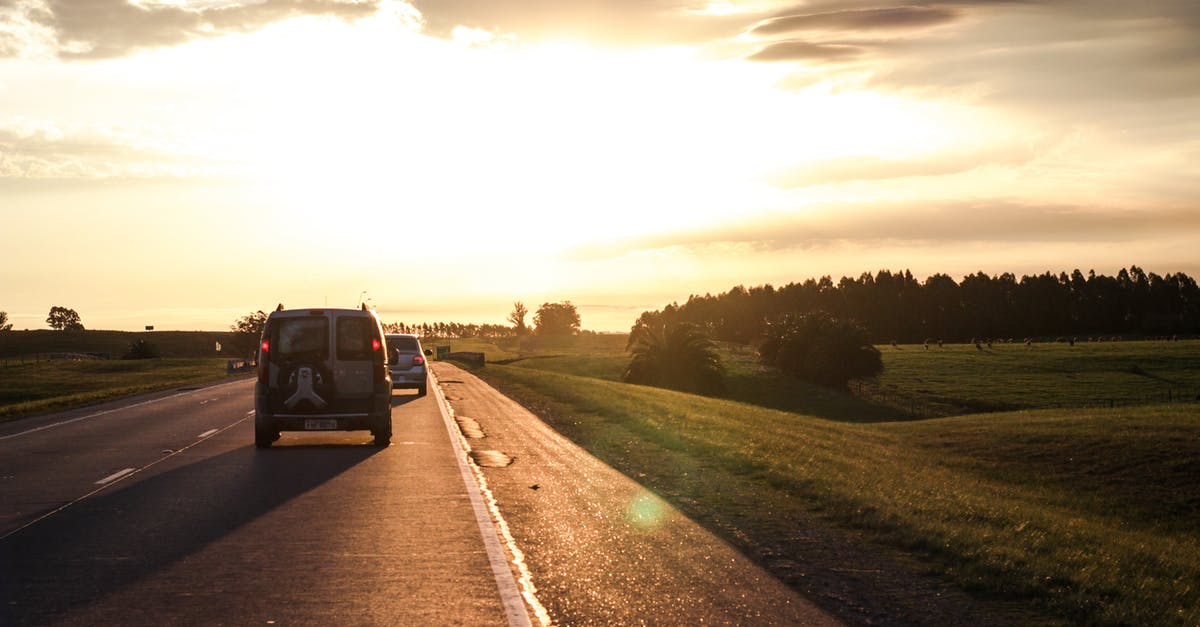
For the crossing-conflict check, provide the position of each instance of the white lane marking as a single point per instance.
(207, 433)
(485, 512)
(116, 475)
(109, 411)
(121, 478)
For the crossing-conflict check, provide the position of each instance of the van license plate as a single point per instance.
(323, 424)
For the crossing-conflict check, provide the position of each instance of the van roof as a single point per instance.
(319, 311)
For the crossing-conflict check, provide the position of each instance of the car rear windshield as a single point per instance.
(354, 334)
(298, 337)
(404, 343)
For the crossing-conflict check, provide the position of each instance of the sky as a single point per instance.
(181, 163)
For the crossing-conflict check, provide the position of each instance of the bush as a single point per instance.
(678, 356)
(820, 348)
(142, 349)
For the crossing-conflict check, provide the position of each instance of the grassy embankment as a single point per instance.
(1088, 515)
(30, 383)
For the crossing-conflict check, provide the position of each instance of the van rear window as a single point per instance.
(302, 336)
(354, 336)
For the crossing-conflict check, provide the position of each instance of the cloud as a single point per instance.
(1131, 68)
(1068, 50)
(623, 22)
(807, 51)
(47, 152)
(859, 19)
(988, 222)
(871, 168)
(94, 29)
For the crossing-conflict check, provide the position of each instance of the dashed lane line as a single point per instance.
(118, 477)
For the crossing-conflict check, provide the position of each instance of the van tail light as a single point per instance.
(418, 360)
(263, 358)
(380, 360)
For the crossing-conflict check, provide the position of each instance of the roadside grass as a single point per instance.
(52, 385)
(1088, 515)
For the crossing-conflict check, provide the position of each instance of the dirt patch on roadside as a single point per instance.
(469, 427)
(491, 459)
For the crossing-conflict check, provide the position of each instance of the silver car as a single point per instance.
(406, 361)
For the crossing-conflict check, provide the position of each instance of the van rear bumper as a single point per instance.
(322, 422)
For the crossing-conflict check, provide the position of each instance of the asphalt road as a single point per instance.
(160, 510)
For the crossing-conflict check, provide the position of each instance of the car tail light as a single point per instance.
(264, 349)
(380, 360)
(418, 360)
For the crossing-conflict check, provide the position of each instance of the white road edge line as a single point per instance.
(109, 411)
(512, 597)
(206, 434)
(116, 475)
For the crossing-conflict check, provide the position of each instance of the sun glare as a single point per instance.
(555, 145)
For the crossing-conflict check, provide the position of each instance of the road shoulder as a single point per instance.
(600, 547)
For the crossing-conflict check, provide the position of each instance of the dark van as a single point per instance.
(322, 370)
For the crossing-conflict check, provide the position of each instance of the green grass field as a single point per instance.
(1084, 515)
(958, 378)
(948, 381)
(61, 384)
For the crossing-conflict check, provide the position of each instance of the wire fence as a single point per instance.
(11, 361)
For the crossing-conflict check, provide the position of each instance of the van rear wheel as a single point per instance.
(383, 431)
(264, 435)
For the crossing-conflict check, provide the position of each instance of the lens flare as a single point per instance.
(645, 512)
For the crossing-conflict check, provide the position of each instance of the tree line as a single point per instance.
(898, 307)
(550, 320)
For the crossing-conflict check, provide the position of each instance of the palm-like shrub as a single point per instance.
(820, 348)
(676, 355)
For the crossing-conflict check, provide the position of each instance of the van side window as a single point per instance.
(354, 338)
